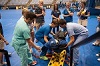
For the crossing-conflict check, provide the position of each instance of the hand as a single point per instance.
(38, 48)
(66, 46)
(6, 42)
(43, 12)
(81, 10)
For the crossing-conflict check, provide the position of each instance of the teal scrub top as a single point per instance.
(21, 33)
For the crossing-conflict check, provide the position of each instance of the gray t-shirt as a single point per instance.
(76, 29)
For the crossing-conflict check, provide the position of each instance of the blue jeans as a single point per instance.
(44, 49)
(76, 50)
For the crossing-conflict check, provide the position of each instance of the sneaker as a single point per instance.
(96, 44)
(4, 63)
(48, 55)
(43, 57)
(98, 55)
(33, 63)
(98, 59)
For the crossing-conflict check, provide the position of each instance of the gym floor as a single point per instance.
(87, 52)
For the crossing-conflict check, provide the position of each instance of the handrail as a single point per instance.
(84, 42)
(6, 56)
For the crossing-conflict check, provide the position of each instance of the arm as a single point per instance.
(46, 39)
(54, 17)
(3, 39)
(30, 42)
(43, 13)
(70, 14)
(88, 14)
(71, 41)
(52, 33)
(65, 15)
(79, 13)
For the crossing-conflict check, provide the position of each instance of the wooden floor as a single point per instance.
(87, 52)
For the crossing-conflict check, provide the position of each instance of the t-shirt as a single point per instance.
(68, 18)
(43, 31)
(75, 29)
(56, 13)
(84, 17)
(39, 19)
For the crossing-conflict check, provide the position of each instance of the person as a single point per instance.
(42, 35)
(83, 15)
(68, 13)
(22, 40)
(55, 15)
(56, 44)
(32, 8)
(30, 59)
(40, 13)
(97, 42)
(76, 33)
(2, 41)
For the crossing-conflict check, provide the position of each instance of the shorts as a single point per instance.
(1, 44)
(82, 22)
(39, 24)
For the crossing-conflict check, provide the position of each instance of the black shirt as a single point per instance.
(39, 19)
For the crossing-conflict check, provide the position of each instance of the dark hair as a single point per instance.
(30, 15)
(55, 21)
(84, 3)
(62, 21)
(54, 8)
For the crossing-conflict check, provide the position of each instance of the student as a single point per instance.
(76, 34)
(55, 15)
(40, 13)
(22, 39)
(68, 13)
(30, 59)
(42, 35)
(56, 44)
(2, 41)
(83, 15)
(97, 42)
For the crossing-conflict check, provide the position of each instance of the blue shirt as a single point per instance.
(56, 13)
(43, 31)
(75, 29)
(68, 18)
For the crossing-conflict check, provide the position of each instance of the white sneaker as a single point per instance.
(98, 59)
(9, 54)
(98, 54)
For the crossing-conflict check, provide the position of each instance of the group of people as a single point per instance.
(23, 36)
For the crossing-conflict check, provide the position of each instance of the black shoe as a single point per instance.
(9, 54)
